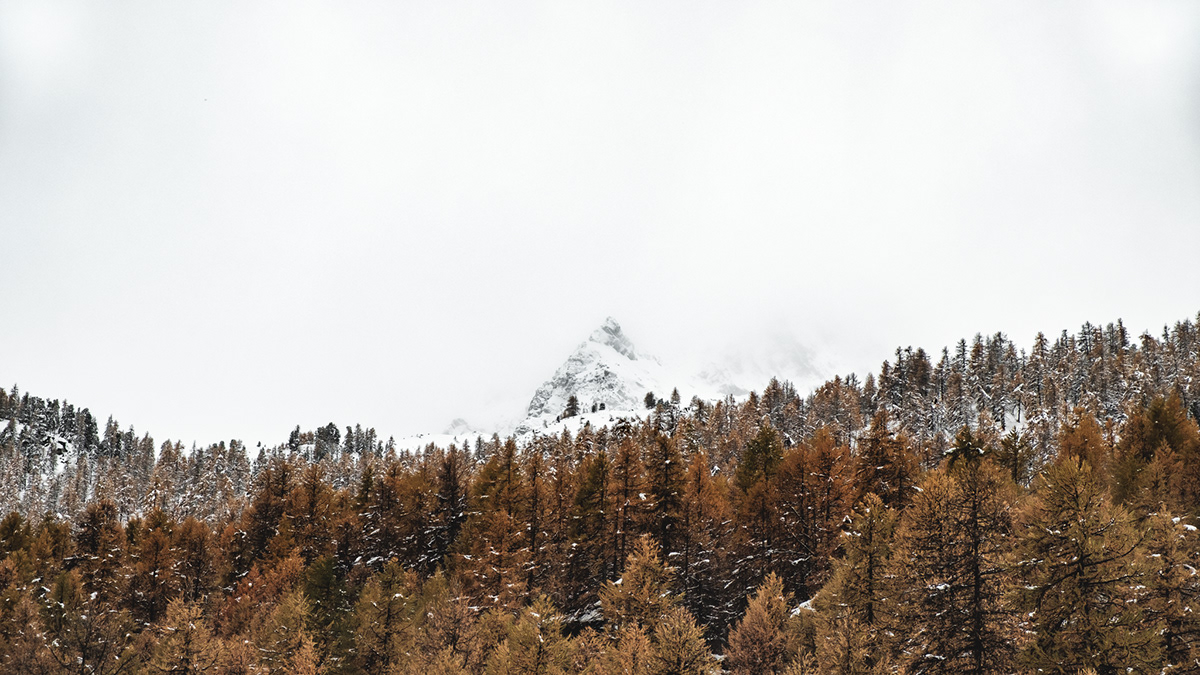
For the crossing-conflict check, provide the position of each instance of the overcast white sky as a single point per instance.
(221, 219)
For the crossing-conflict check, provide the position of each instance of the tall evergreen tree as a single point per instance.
(493, 545)
(86, 635)
(589, 558)
(1172, 601)
(451, 508)
(705, 523)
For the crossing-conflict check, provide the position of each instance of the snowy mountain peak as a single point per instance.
(610, 378)
(606, 369)
(610, 335)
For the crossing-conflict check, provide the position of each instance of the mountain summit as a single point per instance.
(605, 369)
(610, 377)
(610, 334)
(608, 372)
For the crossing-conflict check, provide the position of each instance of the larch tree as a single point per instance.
(449, 631)
(628, 478)
(767, 639)
(801, 536)
(1172, 601)
(309, 512)
(23, 639)
(492, 551)
(644, 593)
(951, 563)
(100, 545)
(885, 464)
(194, 565)
(1082, 440)
(756, 514)
(383, 620)
(1082, 573)
(831, 466)
(85, 635)
(257, 594)
(153, 558)
(185, 644)
(1161, 431)
(535, 644)
(628, 652)
(679, 646)
(589, 560)
(282, 635)
(261, 521)
(537, 510)
(857, 607)
(757, 521)
(703, 564)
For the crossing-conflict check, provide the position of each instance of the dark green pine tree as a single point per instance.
(325, 589)
(572, 407)
(1015, 455)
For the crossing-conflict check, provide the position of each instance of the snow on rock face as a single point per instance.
(606, 368)
(610, 334)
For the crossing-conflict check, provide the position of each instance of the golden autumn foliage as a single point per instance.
(991, 512)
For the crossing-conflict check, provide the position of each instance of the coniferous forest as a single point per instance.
(990, 508)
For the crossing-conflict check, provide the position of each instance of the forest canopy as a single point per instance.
(992, 509)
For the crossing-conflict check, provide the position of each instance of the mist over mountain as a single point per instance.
(549, 338)
(607, 373)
